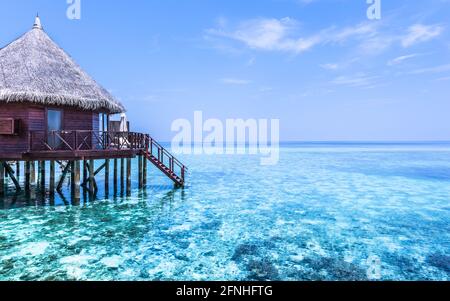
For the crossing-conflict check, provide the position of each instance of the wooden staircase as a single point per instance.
(165, 161)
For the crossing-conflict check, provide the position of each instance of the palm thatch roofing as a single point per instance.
(34, 69)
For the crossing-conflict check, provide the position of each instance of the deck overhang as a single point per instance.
(81, 155)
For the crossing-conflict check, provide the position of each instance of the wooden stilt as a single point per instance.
(144, 172)
(2, 179)
(128, 176)
(76, 181)
(72, 178)
(32, 172)
(122, 176)
(38, 172)
(63, 177)
(95, 174)
(10, 172)
(18, 170)
(107, 178)
(91, 179)
(42, 176)
(115, 177)
(85, 171)
(140, 171)
(52, 179)
(27, 177)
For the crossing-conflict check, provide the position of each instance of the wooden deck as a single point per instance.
(95, 145)
(80, 155)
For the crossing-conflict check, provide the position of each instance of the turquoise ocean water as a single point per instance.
(325, 212)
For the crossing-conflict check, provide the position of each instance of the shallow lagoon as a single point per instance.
(325, 212)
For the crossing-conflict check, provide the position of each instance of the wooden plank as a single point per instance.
(107, 178)
(63, 177)
(72, 178)
(140, 172)
(128, 177)
(85, 171)
(2, 179)
(95, 173)
(32, 172)
(144, 172)
(52, 178)
(27, 177)
(122, 176)
(115, 177)
(79, 155)
(100, 169)
(76, 181)
(10, 172)
(42, 175)
(91, 179)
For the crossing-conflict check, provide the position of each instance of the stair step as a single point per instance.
(163, 167)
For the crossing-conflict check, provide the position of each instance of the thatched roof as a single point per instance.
(33, 69)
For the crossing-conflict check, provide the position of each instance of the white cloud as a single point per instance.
(235, 81)
(436, 69)
(267, 34)
(401, 59)
(420, 33)
(358, 80)
(330, 66)
(340, 65)
(285, 35)
(282, 35)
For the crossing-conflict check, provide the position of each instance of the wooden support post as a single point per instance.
(72, 178)
(144, 172)
(107, 178)
(128, 176)
(115, 177)
(63, 177)
(18, 170)
(38, 172)
(85, 170)
(27, 177)
(52, 179)
(10, 172)
(140, 171)
(122, 176)
(42, 175)
(76, 181)
(32, 172)
(2, 179)
(91, 179)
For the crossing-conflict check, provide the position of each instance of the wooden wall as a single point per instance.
(75, 120)
(33, 118)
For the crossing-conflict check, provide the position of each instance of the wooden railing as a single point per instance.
(84, 141)
(59, 141)
(155, 149)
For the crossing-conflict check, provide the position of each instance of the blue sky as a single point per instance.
(320, 66)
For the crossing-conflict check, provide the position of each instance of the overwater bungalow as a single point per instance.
(52, 112)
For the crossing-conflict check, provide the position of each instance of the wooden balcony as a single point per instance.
(92, 145)
(72, 145)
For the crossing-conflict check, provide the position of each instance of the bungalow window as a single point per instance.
(9, 126)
